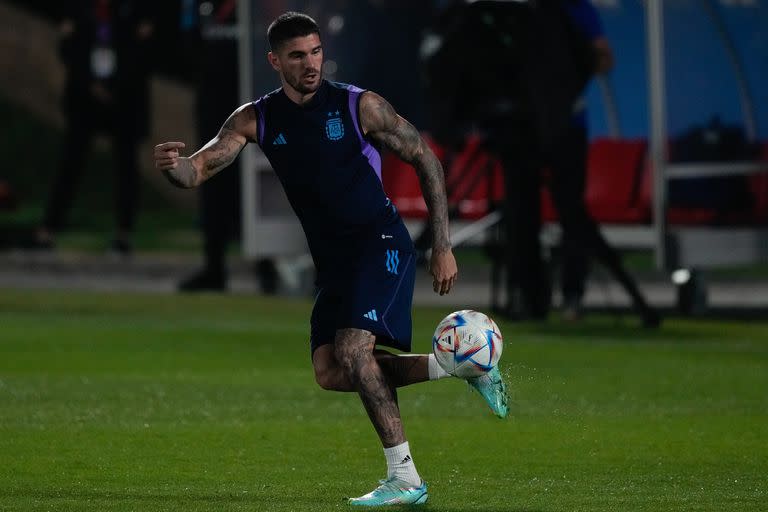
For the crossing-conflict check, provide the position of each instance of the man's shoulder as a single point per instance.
(270, 96)
(342, 86)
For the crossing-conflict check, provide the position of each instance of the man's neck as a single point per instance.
(298, 97)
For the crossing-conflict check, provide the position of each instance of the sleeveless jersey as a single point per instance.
(330, 173)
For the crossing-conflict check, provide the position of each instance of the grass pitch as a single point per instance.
(148, 402)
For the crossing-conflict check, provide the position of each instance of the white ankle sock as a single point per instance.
(400, 464)
(435, 370)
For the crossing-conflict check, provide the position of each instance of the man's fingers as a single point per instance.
(443, 270)
(170, 145)
(449, 284)
(167, 155)
(165, 146)
(443, 286)
(166, 163)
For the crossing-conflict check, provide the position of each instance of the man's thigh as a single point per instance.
(377, 299)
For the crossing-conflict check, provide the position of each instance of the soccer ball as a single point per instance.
(467, 344)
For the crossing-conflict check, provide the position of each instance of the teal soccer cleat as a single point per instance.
(392, 492)
(492, 388)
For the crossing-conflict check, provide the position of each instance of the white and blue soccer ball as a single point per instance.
(467, 344)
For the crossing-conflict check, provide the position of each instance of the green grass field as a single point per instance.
(157, 402)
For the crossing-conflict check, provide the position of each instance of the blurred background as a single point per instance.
(677, 173)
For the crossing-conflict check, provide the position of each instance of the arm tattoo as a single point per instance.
(219, 152)
(222, 150)
(398, 135)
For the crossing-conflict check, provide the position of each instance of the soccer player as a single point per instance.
(321, 138)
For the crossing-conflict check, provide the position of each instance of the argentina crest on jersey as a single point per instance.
(334, 128)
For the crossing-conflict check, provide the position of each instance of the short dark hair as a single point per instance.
(289, 25)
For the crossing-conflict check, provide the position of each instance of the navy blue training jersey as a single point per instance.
(331, 174)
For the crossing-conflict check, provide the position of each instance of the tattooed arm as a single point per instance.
(186, 172)
(381, 123)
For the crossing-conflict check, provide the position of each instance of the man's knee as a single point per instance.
(353, 347)
(325, 366)
(329, 374)
(327, 378)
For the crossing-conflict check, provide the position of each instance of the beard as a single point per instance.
(296, 82)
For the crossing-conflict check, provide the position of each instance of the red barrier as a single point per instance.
(619, 187)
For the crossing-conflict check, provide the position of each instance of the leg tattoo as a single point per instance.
(354, 352)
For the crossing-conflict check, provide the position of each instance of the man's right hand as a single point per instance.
(167, 155)
(177, 169)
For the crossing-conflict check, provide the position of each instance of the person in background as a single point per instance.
(210, 29)
(521, 69)
(106, 48)
(568, 171)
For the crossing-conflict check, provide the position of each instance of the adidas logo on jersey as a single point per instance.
(279, 140)
(371, 315)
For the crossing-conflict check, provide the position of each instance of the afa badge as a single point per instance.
(334, 128)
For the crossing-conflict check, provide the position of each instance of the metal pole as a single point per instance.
(248, 179)
(654, 21)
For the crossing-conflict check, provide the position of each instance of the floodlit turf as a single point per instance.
(162, 403)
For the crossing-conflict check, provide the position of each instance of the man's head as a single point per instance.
(297, 53)
(288, 26)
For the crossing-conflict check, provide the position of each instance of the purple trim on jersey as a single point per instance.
(370, 152)
(259, 104)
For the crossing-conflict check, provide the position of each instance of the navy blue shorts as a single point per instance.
(370, 288)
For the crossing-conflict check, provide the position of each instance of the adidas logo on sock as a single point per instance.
(279, 140)
(406, 459)
(371, 315)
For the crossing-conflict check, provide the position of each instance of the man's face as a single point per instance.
(300, 63)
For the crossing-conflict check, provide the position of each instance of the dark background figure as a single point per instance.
(518, 94)
(567, 164)
(211, 31)
(530, 65)
(106, 47)
(568, 167)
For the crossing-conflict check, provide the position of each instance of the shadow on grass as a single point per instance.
(483, 509)
(258, 498)
(127, 495)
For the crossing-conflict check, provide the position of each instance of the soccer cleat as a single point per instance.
(492, 388)
(392, 492)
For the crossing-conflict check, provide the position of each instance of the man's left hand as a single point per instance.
(442, 266)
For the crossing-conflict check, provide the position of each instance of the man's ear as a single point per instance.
(273, 61)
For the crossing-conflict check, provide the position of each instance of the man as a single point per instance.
(213, 60)
(106, 47)
(320, 138)
(209, 47)
(568, 165)
(567, 162)
(527, 113)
